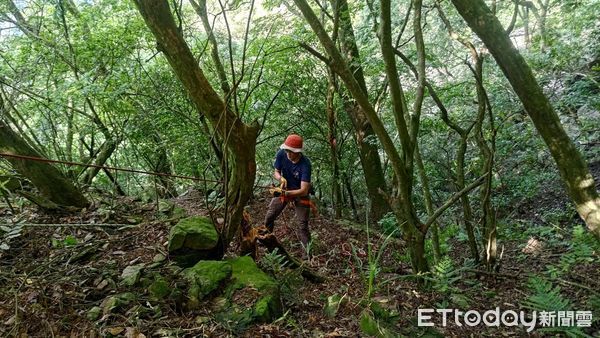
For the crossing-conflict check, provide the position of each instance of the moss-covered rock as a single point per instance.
(178, 212)
(131, 274)
(117, 302)
(246, 293)
(159, 289)
(94, 313)
(246, 275)
(206, 277)
(196, 233)
(165, 207)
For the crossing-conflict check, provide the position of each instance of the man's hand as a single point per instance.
(283, 182)
(276, 191)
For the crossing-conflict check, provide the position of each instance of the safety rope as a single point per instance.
(137, 171)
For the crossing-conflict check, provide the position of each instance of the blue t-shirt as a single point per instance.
(294, 173)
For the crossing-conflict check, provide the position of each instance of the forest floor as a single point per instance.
(52, 275)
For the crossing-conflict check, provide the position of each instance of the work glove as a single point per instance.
(283, 184)
(276, 191)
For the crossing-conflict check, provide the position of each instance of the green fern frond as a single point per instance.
(547, 297)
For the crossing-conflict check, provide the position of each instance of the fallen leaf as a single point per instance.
(115, 330)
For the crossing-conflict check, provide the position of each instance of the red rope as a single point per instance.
(39, 159)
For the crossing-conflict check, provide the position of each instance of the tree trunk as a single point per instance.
(526, 34)
(435, 234)
(363, 131)
(572, 167)
(106, 150)
(331, 124)
(401, 202)
(488, 218)
(348, 185)
(166, 187)
(239, 138)
(46, 178)
(465, 201)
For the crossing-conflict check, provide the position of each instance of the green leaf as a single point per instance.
(70, 241)
(333, 305)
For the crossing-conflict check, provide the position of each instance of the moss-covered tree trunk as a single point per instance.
(50, 182)
(239, 138)
(572, 167)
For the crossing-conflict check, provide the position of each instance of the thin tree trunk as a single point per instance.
(200, 8)
(526, 34)
(163, 165)
(348, 185)
(331, 124)
(435, 235)
(106, 150)
(488, 218)
(465, 201)
(363, 131)
(572, 167)
(401, 202)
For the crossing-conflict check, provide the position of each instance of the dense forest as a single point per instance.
(454, 147)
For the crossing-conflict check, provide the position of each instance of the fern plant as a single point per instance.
(583, 248)
(443, 278)
(289, 280)
(547, 297)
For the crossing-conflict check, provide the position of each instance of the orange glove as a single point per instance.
(276, 191)
(283, 184)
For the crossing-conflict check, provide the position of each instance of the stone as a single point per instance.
(242, 292)
(159, 289)
(206, 277)
(179, 212)
(94, 313)
(266, 305)
(165, 207)
(131, 274)
(197, 233)
(116, 302)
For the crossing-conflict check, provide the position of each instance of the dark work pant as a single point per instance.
(302, 214)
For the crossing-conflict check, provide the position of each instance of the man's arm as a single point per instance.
(303, 191)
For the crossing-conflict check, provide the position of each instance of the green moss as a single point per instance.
(264, 310)
(249, 293)
(206, 277)
(94, 313)
(165, 206)
(246, 273)
(117, 302)
(179, 212)
(159, 289)
(197, 233)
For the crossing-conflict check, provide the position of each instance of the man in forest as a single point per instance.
(292, 170)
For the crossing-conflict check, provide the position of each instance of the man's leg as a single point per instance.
(275, 208)
(303, 214)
